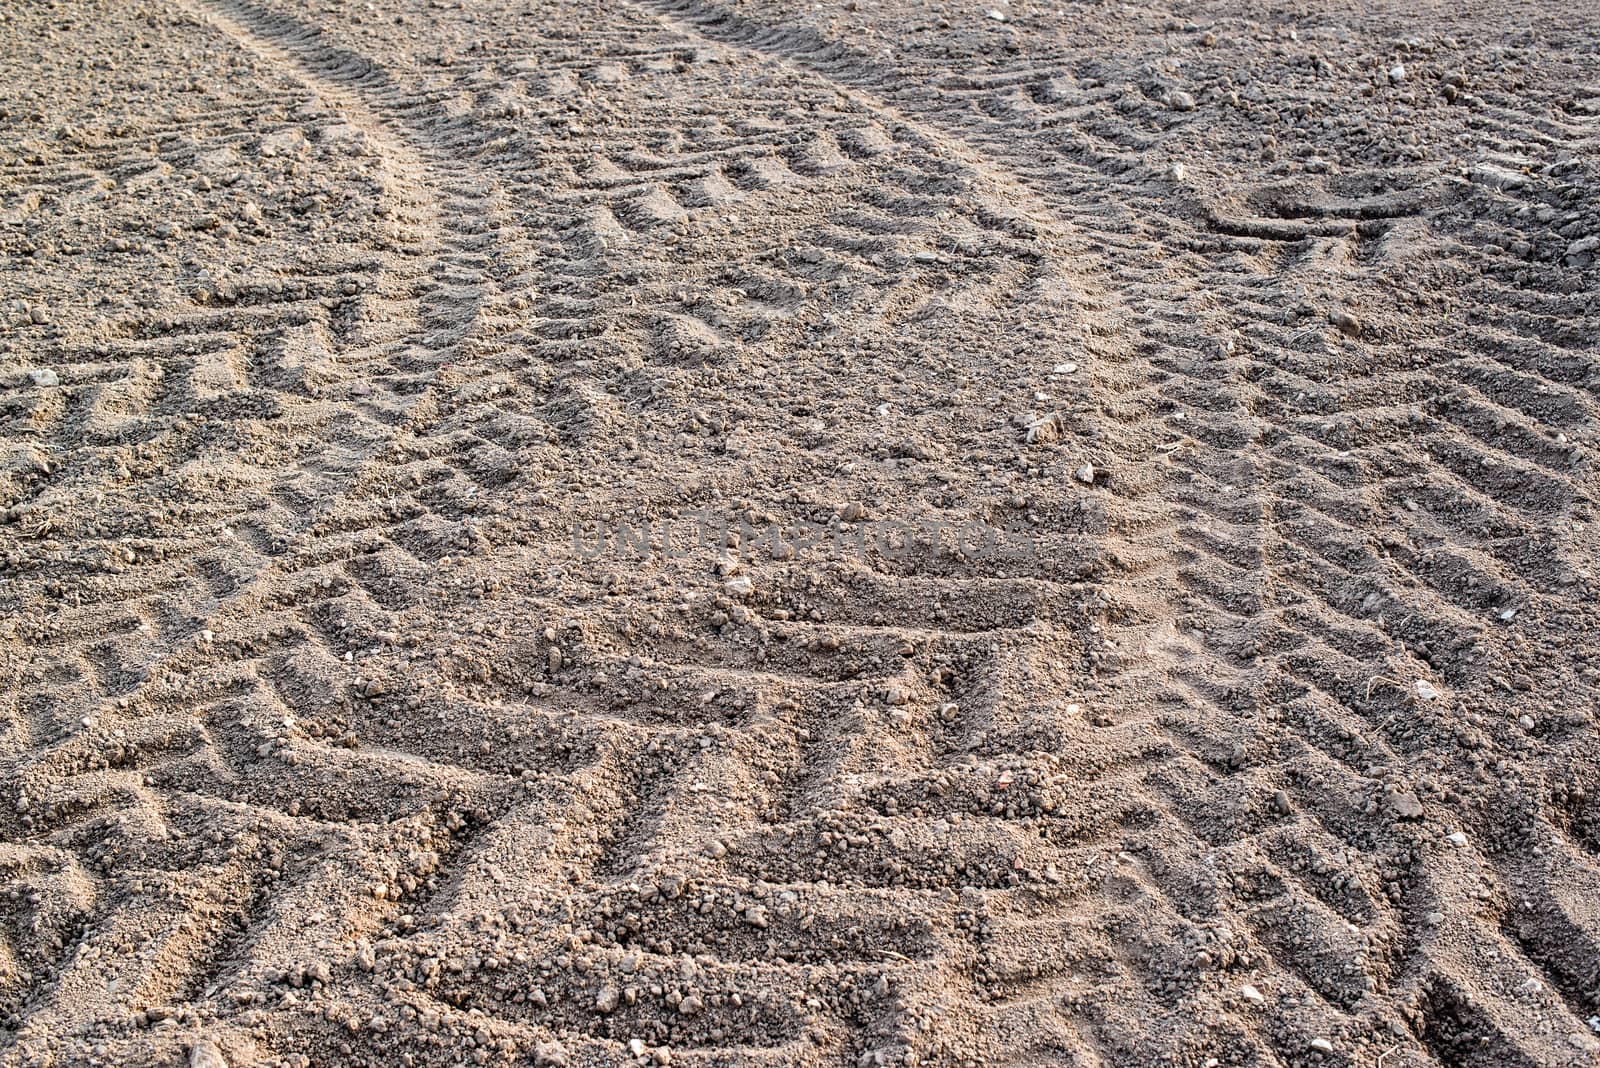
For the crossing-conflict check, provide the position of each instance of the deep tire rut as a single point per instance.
(329, 737)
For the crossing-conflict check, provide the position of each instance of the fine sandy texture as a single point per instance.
(1197, 663)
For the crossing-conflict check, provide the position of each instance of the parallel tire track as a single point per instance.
(408, 772)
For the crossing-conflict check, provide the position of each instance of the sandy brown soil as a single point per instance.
(1122, 489)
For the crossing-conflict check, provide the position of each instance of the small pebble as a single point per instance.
(1045, 429)
(1405, 805)
(205, 1054)
(1347, 323)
